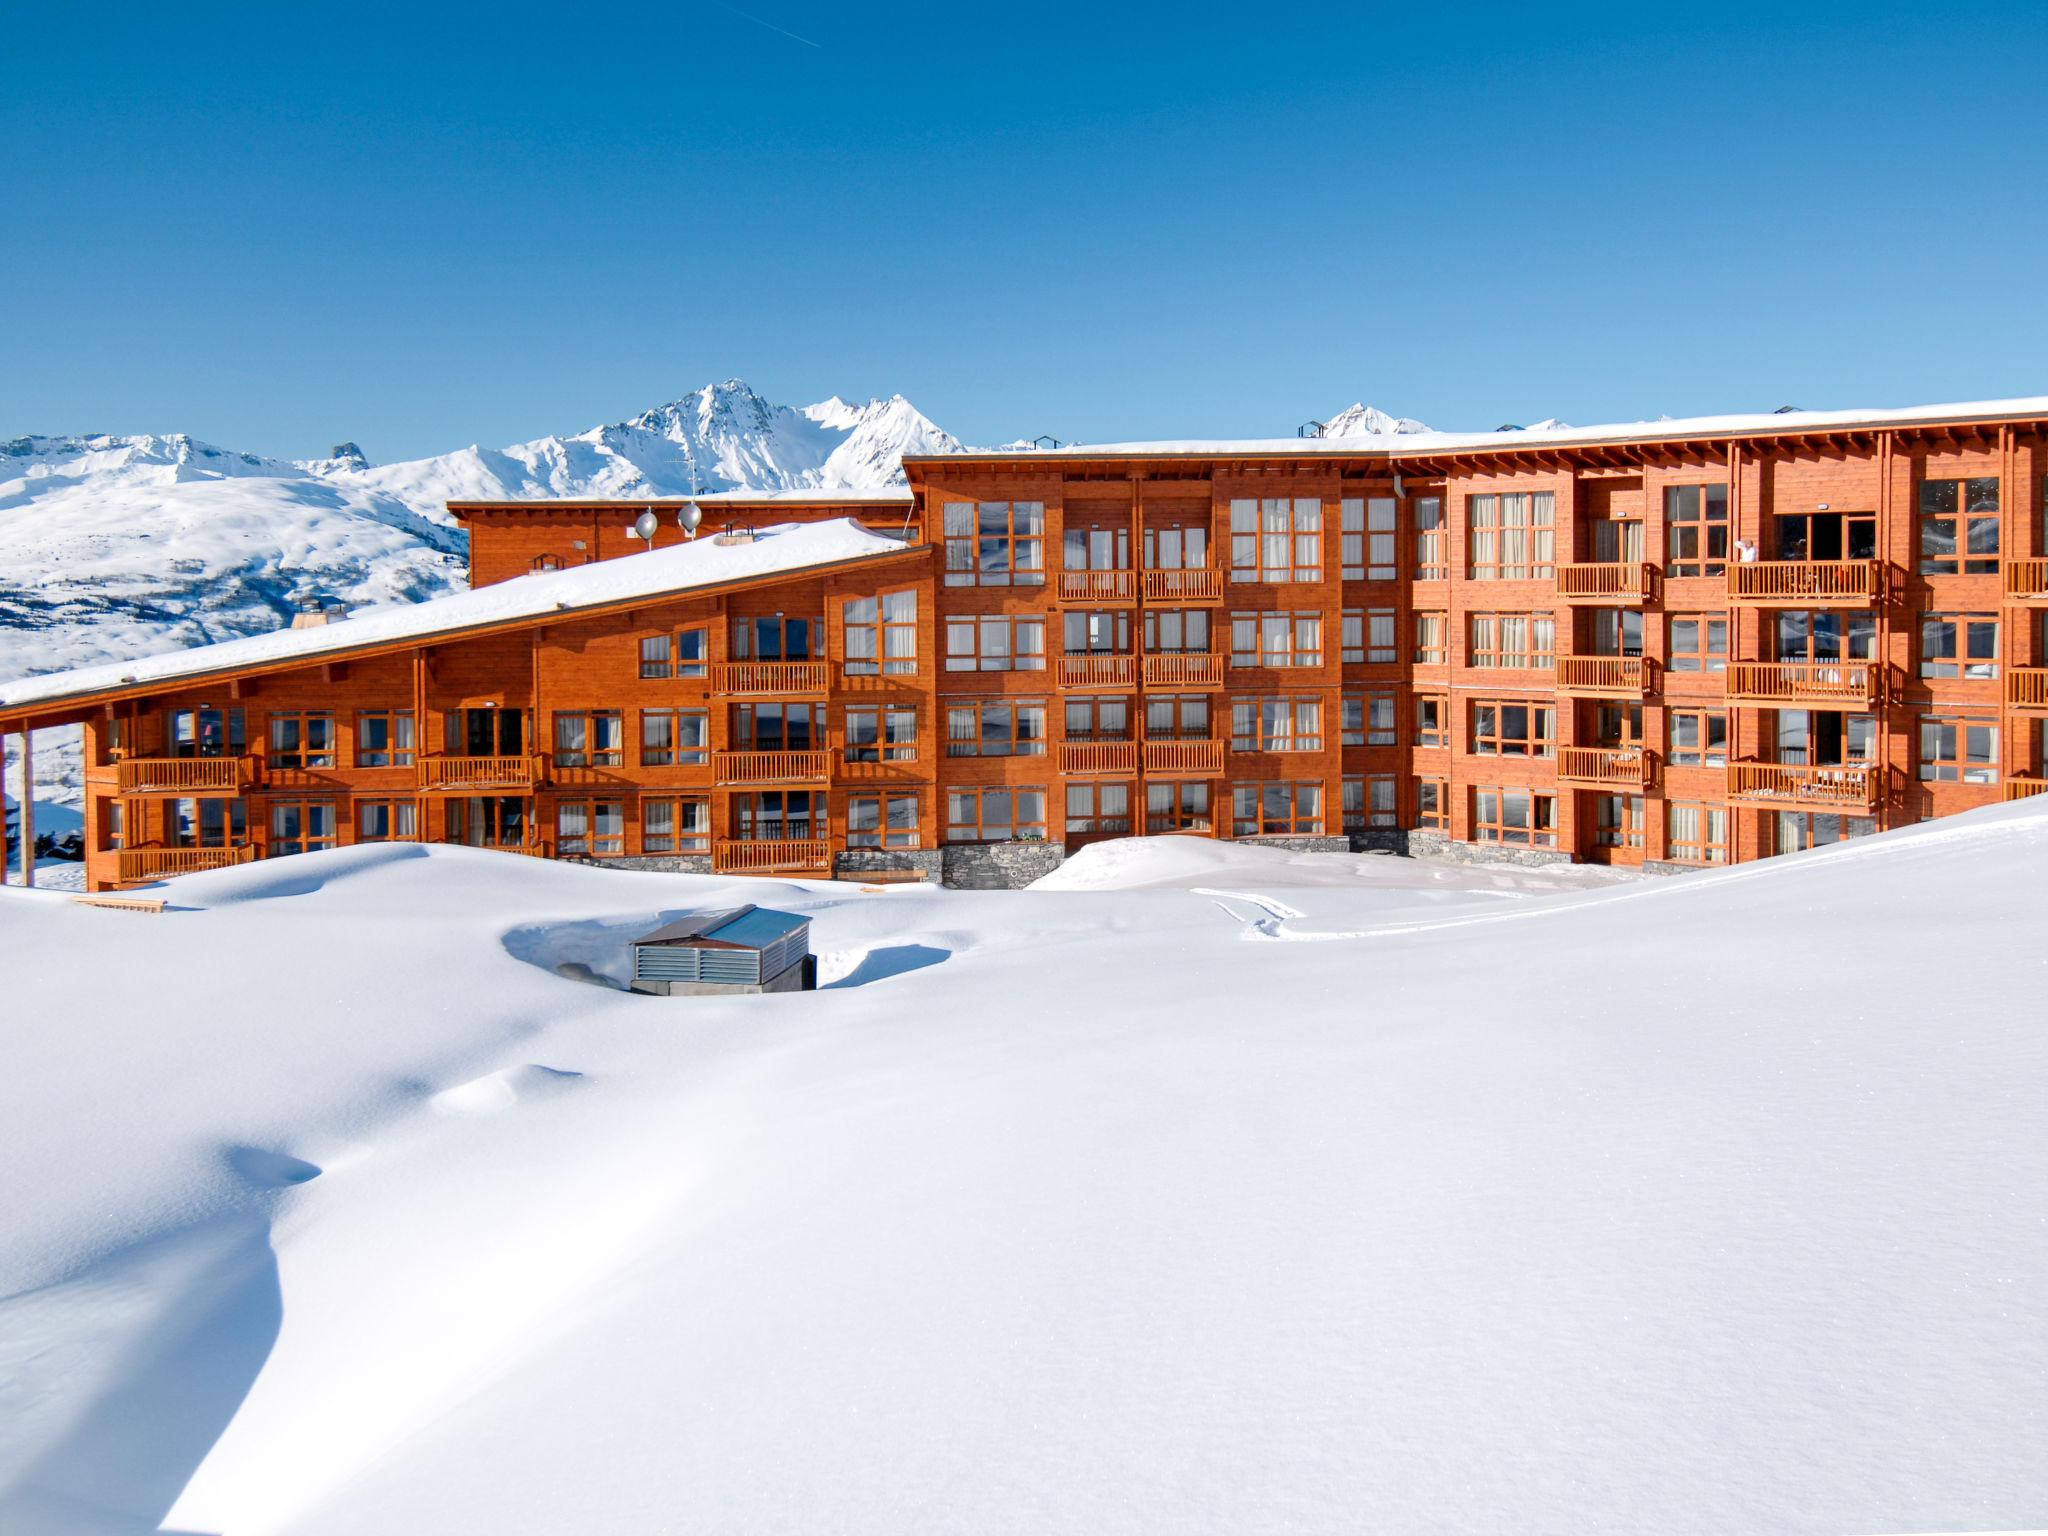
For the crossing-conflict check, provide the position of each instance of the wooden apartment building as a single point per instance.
(1686, 644)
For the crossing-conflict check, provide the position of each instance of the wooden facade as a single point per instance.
(1672, 649)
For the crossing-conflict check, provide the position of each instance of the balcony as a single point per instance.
(1183, 669)
(163, 863)
(1801, 787)
(1628, 583)
(1196, 585)
(1119, 758)
(1098, 671)
(767, 856)
(1602, 676)
(778, 677)
(1604, 767)
(1807, 583)
(446, 772)
(771, 767)
(1202, 759)
(1098, 586)
(2026, 688)
(184, 775)
(2026, 581)
(1840, 683)
(2021, 789)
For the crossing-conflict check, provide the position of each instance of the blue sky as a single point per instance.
(280, 226)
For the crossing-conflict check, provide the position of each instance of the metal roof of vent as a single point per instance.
(1509, 426)
(1784, 410)
(1312, 429)
(1045, 440)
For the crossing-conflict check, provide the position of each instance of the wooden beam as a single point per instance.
(28, 806)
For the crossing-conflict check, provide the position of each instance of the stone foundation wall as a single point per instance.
(1663, 867)
(1380, 840)
(1301, 844)
(999, 866)
(852, 863)
(654, 863)
(1439, 845)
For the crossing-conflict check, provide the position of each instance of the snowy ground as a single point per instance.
(1270, 1198)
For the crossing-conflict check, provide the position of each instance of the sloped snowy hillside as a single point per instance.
(1319, 1194)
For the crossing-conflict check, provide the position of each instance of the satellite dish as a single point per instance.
(644, 525)
(688, 516)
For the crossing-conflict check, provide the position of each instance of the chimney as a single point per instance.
(316, 609)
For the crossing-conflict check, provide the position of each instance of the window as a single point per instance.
(590, 828)
(1799, 830)
(1176, 807)
(593, 739)
(675, 826)
(384, 738)
(386, 821)
(1824, 737)
(1509, 537)
(1523, 641)
(774, 637)
(1276, 639)
(1959, 527)
(881, 821)
(1176, 630)
(1098, 719)
(1277, 810)
(1695, 530)
(693, 652)
(657, 657)
(1351, 720)
(1616, 632)
(1958, 750)
(995, 728)
(1959, 645)
(1431, 563)
(1366, 535)
(778, 727)
(1432, 720)
(1521, 817)
(1432, 639)
(1369, 801)
(675, 737)
(1368, 720)
(1696, 834)
(208, 823)
(207, 732)
(995, 543)
(1369, 635)
(998, 815)
(881, 733)
(1176, 549)
(1276, 725)
(1699, 642)
(1177, 716)
(1276, 539)
(1085, 547)
(117, 823)
(775, 815)
(542, 563)
(995, 643)
(1504, 728)
(1825, 535)
(302, 739)
(301, 826)
(881, 635)
(1432, 804)
(1618, 539)
(1699, 738)
(1096, 634)
(1093, 808)
(1618, 821)
(487, 821)
(1825, 634)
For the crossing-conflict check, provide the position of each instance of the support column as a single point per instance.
(28, 806)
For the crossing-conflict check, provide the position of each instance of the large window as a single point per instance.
(301, 826)
(1368, 720)
(1616, 631)
(208, 823)
(1431, 561)
(1276, 639)
(1696, 834)
(995, 728)
(995, 643)
(693, 651)
(777, 815)
(1095, 808)
(1276, 538)
(1618, 821)
(590, 739)
(1511, 728)
(384, 738)
(302, 739)
(776, 637)
(1961, 645)
(1699, 642)
(1277, 810)
(1369, 635)
(1959, 527)
(881, 821)
(1177, 548)
(675, 737)
(1276, 725)
(1177, 716)
(1520, 641)
(207, 732)
(1107, 633)
(881, 635)
(1368, 527)
(777, 726)
(1100, 547)
(1798, 830)
(590, 828)
(678, 825)
(1369, 800)
(1958, 749)
(1092, 718)
(1171, 807)
(657, 657)
(1824, 737)
(1699, 738)
(1432, 639)
(995, 543)
(1510, 537)
(1825, 634)
(386, 821)
(1521, 817)
(881, 733)
(1170, 631)
(1695, 530)
(995, 815)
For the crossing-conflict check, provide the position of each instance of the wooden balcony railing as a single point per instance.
(184, 775)
(2026, 687)
(1623, 767)
(2022, 789)
(771, 767)
(1184, 669)
(762, 856)
(1098, 671)
(770, 676)
(442, 770)
(1601, 674)
(1113, 757)
(2026, 581)
(1194, 585)
(1806, 682)
(1840, 583)
(1624, 582)
(1846, 786)
(163, 863)
(1202, 758)
(1098, 586)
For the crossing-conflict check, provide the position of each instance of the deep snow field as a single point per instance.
(1215, 1189)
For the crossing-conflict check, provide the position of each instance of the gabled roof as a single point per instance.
(887, 496)
(702, 564)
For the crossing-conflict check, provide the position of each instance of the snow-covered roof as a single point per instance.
(702, 562)
(1445, 442)
(799, 496)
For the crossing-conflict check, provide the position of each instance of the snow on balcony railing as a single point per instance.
(1818, 682)
(771, 767)
(1806, 581)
